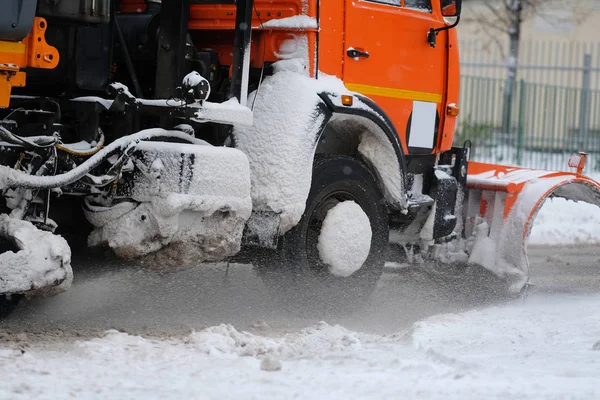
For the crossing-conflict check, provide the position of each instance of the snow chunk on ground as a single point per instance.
(224, 341)
(565, 222)
(345, 239)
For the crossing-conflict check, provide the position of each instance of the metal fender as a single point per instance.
(378, 142)
(501, 208)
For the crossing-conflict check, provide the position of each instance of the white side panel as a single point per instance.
(422, 126)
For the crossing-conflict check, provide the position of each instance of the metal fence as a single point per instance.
(555, 110)
(562, 63)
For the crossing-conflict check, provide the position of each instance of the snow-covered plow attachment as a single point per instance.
(501, 208)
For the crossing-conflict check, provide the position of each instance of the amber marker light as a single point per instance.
(453, 110)
(347, 100)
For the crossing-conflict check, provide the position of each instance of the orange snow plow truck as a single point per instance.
(308, 136)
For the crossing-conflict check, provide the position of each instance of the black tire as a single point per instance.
(295, 275)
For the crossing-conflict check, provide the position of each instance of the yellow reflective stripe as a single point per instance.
(12, 47)
(395, 93)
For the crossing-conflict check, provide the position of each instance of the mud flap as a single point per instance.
(501, 207)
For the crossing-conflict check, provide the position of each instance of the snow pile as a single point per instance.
(42, 262)
(225, 341)
(345, 239)
(280, 144)
(565, 222)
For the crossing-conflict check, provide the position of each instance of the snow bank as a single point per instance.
(565, 222)
(345, 239)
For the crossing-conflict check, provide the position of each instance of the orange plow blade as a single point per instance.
(501, 206)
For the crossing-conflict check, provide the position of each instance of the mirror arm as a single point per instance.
(432, 35)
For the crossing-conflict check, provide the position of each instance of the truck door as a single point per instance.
(389, 59)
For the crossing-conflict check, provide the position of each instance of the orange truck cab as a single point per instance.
(378, 48)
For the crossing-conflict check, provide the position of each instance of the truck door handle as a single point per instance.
(352, 52)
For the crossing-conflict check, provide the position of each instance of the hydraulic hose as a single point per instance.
(12, 178)
(82, 153)
(39, 142)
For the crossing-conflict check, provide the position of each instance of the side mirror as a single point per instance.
(451, 8)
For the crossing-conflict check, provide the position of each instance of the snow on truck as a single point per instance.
(314, 133)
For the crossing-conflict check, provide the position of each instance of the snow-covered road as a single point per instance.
(537, 348)
(131, 333)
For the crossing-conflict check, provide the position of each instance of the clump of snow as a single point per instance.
(345, 239)
(270, 363)
(42, 262)
(295, 46)
(280, 145)
(191, 216)
(415, 194)
(224, 341)
(376, 148)
(295, 22)
(228, 112)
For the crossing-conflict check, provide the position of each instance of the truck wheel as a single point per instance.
(297, 275)
(8, 302)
